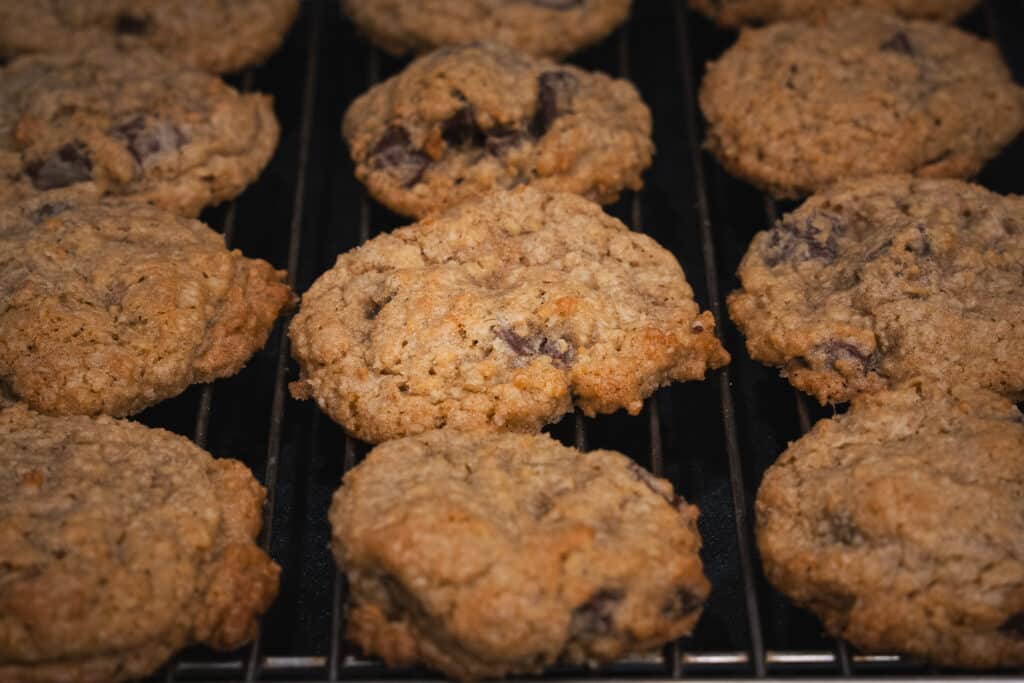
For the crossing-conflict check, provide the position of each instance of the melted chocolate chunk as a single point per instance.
(815, 238)
(49, 210)
(596, 616)
(682, 603)
(68, 165)
(651, 482)
(500, 139)
(395, 154)
(554, 97)
(898, 43)
(131, 25)
(536, 345)
(148, 140)
(836, 351)
(1014, 626)
(461, 130)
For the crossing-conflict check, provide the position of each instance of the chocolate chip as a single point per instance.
(651, 482)
(536, 345)
(682, 603)
(460, 130)
(841, 529)
(554, 97)
(921, 246)
(374, 308)
(1014, 626)
(501, 138)
(49, 210)
(814, 238)
(836, 351)
(596, 616)
(557, 4)
(898, 43)
(129, 24)
(68, 165)
(395, 154)
(148, 140)
(875, 253)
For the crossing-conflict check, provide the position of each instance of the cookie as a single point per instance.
(464, 121)
(212, 35)
(111, 306)
(495, 315)
(129, 123)
(880, 280)
(795, 106)
(119, 545)
(484, 555)
(733, 13)
(901, 525)
(546, 28)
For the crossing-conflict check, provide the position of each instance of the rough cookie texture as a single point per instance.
(794, 106)
(109, 307)
(901, 525)
(133, 123)
(496, 314)
(213, 35)
(734, 13)
(120, 544)
(484, 555)
(549, 28)
(464, 121)
(879, 280)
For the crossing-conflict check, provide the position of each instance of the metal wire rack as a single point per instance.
(712, 439)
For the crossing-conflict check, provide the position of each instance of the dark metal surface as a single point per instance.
(712, 439)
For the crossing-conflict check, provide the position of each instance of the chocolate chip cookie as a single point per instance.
(879, 280)
(213, 35)
(549, 28)
(795, 106)
(111, 306)
(497, 314)
(484, 555)
(734, 13)
(901, 525)
(131, 123)
(463, 121)
(119, 545)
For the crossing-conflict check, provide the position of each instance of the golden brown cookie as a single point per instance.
(879, 280)
(498, 314)
(795, 106)
(129, 123)
(484, 555)
(461, 122)
(901, 525)
(549, 28)
(111, 306)
(733, 13)
(213, 35)
(119, 545)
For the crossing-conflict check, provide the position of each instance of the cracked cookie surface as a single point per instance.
(484, 555)
(497, 314)
(119, 545)
(548, 28)
(111, 306)
(734, 13)
(129, 123)
(214, 35)
(879, 280)
(464, 121)
(901, 525)
(795, 106)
